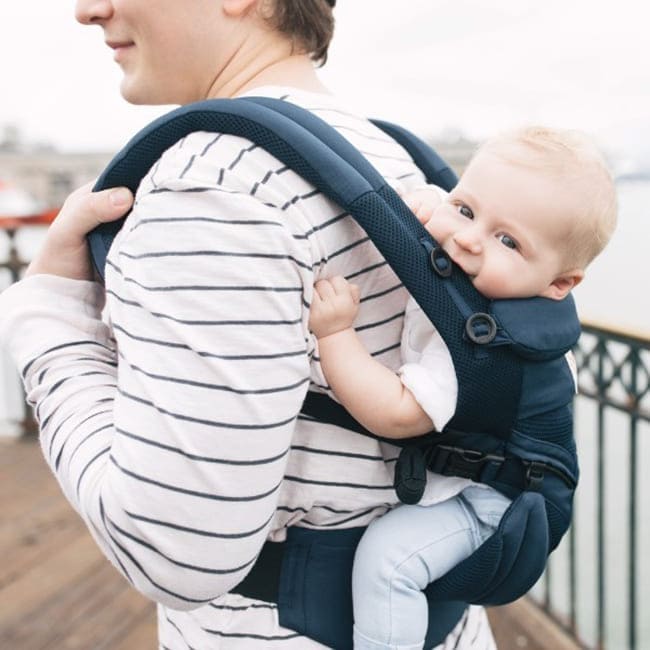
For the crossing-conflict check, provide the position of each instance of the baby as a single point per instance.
(531, 211)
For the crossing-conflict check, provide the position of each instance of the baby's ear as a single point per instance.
(560, 287)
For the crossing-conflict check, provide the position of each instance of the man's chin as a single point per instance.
(139, 94)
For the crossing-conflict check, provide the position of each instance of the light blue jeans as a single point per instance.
(404, 551)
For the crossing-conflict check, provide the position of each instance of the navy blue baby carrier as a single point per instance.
(512, 428)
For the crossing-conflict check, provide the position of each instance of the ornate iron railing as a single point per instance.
(597, 585)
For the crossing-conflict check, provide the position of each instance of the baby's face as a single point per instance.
(503, 224)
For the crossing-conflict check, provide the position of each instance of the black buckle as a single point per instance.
(465, 463)
(535, 475)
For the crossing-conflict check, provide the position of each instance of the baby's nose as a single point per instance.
(468, 240)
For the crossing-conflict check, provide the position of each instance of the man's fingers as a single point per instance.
(356, 293)
(85, 210)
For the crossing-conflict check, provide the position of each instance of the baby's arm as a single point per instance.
(372, 393)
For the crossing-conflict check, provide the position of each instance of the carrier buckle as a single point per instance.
(535, 476)
(467, 463)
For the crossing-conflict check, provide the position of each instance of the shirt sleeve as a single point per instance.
(428, 371)
(171, 441)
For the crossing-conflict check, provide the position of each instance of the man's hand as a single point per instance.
(65, 250)
(334, 306)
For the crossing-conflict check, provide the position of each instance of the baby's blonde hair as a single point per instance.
(572, 159)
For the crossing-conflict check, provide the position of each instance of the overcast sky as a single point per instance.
(433, 65)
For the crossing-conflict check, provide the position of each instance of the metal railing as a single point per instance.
(597, 584)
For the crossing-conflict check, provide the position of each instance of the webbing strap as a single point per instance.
(326, 159)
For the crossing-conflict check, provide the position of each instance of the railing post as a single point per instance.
(600, 389)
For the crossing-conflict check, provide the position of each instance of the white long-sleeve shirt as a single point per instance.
(172, 420)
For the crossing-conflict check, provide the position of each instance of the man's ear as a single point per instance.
(561, 286)
(237, 8)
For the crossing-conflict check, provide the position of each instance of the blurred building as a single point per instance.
(49, 175)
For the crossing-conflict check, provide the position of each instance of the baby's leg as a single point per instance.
(398, 556)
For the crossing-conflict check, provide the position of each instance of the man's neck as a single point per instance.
(271, 64)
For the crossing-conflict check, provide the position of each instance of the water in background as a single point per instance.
(615, 291)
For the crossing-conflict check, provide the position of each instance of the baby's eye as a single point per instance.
(466, 211)
(508, 241)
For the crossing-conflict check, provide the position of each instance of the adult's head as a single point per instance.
(175, 52)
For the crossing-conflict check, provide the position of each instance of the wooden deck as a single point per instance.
(58, 592)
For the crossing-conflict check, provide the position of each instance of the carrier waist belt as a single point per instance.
(309, 576)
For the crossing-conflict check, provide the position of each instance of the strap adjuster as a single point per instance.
(465, 463)
(535, 475)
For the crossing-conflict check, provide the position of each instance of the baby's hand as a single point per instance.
(334, 306)
(423, 201)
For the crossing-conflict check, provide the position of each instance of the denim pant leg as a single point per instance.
(398, 556)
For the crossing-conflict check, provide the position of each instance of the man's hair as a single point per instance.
(308, 23)
(572, 159)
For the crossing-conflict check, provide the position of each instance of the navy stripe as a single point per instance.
(213, 253)
(340, 521)
(203, 459)
(88, 464)
(382, 293)
(171, 560)
(195, 493)
(349, 247)
(298, 479)
(220, 387)
(211, 323)
(368, 326)
(367, 269)
(211, 423)
(169, 620)
(185, 220)
(211, 355)
(196, 531)
(62, 347)
(79, 444)
(329, 452)
(377, 353)
(242, 635)
(241, 608)
(240, 155)
(267, 176)
(146, 575)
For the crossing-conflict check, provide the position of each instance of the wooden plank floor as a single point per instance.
(57, 591)
(56, 588)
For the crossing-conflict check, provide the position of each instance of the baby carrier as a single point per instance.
(508, 355)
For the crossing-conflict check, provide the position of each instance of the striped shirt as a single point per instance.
(172, 418)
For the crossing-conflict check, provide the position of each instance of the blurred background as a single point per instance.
(455, 72)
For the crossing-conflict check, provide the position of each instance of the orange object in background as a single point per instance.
(14, 222)
(18, 208)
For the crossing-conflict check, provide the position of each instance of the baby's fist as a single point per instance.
(334, 306)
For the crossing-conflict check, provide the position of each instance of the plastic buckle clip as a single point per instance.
(535, 476)
(468, 463)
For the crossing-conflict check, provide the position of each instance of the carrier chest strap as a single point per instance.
(443, 453)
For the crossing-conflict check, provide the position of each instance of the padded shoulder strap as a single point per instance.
(326, 159)
(432, 165)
